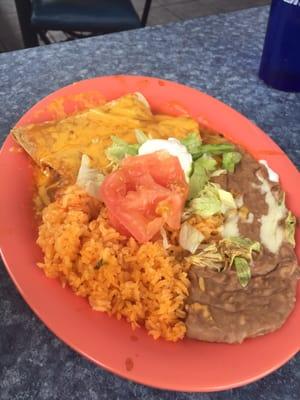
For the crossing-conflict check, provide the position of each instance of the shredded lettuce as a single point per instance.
(119, 149)
(280, 197)
(200, 176)
(164, 236)
(192, 142)
(141, 137)
(194, 145)
(190, 237)
(219, 172)
(198, 179)
(214, 149)
(187, 213)
(243, 270)
(234, 251)
(212, 200)
(233, 247)
(207, 162)
(89, 179)
(230, 160)
(290, 226)
(208, 257)
(227, 200)
(207, 203)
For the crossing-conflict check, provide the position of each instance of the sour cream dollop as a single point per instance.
(273, 176)
(173, 147)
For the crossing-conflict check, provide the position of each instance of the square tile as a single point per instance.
(161, 16)
(232, 5)
(161, 12)
(140, 4)
(196, 8)
(171, 2)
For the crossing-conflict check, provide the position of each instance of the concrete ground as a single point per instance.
(162, 12)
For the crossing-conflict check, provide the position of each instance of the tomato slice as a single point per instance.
(145, 193)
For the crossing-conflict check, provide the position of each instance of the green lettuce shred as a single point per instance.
(194, 145)
(243, 270)
(207, 203)
(214, 149)
(231, 252)
(208, 257)
(190, 237)
(119, 149)
(192, 142)
(227, 200)
(290, 227)
(230, 160)
(141, 137)
(200, 175)
(207, 162)
(219, 172)
(212, 200)
(238, 247)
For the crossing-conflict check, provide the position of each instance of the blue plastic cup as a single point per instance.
(280, 62)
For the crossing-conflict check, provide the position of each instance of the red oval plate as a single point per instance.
(187, 365)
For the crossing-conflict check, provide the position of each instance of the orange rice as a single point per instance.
(145, 283)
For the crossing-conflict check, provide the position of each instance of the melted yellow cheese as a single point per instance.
(60, 144)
